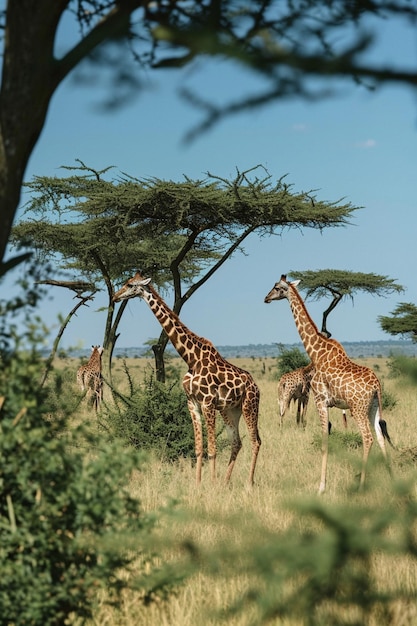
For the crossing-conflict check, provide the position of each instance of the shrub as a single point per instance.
(401, 365)
(290, 359)
(154, 417)
(67, 521)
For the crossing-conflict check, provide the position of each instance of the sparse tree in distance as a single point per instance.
(340, 284)
(179, 233)
(402, 321)
(287, 44)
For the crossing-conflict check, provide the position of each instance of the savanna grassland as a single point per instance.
(229, 526)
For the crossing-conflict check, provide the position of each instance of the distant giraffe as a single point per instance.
(337, 381)
(295, 386)
(211, 384)
(90, 379)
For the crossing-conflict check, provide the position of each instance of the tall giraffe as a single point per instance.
(295, 386)
(337, 381)
(211, 384)
(90, 379)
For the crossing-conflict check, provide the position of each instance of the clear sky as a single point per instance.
(359, 145)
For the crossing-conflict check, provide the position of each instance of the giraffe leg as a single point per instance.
(231, 419)
(210, 417)
(367, 440)
(250, 410)
(298, 411)
(198, 436)
(304, 403)
(80, 379)
(282, 409)
(324, 421)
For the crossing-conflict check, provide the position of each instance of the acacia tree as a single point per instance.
(176, 232)
(402, 321)
(287, 44)
(341, 284)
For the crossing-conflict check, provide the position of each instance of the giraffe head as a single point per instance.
(132, 288)
(98, 349)
(280, 290)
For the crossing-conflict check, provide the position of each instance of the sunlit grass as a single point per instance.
(287, 472)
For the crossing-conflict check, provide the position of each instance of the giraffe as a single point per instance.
(211, 384)
(89, 377)
(295, 386)
(337, 381)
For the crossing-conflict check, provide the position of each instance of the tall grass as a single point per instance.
(220, 530)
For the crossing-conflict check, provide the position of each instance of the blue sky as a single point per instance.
(359, 145)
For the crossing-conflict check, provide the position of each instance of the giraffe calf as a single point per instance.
(295, 386)
(90, 379)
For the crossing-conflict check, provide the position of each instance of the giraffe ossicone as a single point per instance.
(337, 381)
(211, 384)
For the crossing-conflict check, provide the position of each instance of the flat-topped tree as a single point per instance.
(402, 321)
(179, 232)
(341, 284)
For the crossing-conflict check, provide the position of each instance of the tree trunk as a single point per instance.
(158, 350)
(28, 82)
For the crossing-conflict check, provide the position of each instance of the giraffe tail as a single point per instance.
(382, 423)
(384, 429)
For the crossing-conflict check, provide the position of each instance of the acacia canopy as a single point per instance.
(317, 284)
(178, 233)
(402, 321)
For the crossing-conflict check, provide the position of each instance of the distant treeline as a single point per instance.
(354, 349)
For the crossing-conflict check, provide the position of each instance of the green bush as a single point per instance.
(290, 359)
(154, 417)
(401, 365)
(67, 521)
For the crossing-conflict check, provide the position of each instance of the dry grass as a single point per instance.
(288, 470)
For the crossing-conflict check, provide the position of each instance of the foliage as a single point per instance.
(67, 521)
(318, 284)
(401, 365)
(402, 321)
(388, 400)
(325, 572)
(341, 284)
(339, 441)
(286, 44)
(290, 359)
(178, 233)
(154, 417)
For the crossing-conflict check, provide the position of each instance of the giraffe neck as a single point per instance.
(184, 341)
(312, 339)
(95, 360)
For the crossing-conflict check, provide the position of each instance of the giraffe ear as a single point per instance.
(137, 282)
(294, 283)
